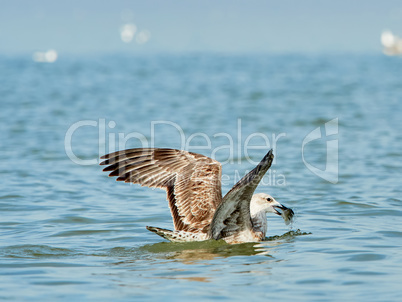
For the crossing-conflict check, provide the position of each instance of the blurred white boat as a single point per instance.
(392, 43)
(49, 56)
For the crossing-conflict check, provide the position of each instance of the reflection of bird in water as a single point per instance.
(193, 185)
(190, 252)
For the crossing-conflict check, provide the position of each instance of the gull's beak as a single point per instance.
(286, 213)
(282, 208)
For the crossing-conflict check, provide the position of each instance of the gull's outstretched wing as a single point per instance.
(232, 216)
(192, 181)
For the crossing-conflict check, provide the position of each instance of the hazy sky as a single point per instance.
(192, 25)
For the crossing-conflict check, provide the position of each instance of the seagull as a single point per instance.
(193, 185)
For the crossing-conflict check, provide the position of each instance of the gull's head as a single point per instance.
(265, 202)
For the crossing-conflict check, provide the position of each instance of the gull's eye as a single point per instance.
(269, 199)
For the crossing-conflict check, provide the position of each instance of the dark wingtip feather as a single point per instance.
(105, 162)
(106, 156)
(108, 168)
(114, 173)
(268, 155)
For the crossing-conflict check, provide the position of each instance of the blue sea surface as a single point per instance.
(70, 233)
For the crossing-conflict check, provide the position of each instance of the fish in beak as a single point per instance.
(286, 213)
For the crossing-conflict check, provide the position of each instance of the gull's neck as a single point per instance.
(258, 218)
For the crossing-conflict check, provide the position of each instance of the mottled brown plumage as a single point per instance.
(193, 185)
(192, 181)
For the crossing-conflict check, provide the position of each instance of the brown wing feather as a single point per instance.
(233, 214)
(191, 180)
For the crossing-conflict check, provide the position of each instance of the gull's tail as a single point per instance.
(167, 234)
(177, 236)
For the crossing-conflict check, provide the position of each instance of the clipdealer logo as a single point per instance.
(331, 130)
(238, 145)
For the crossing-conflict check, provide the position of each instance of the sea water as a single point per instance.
(68, 232)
